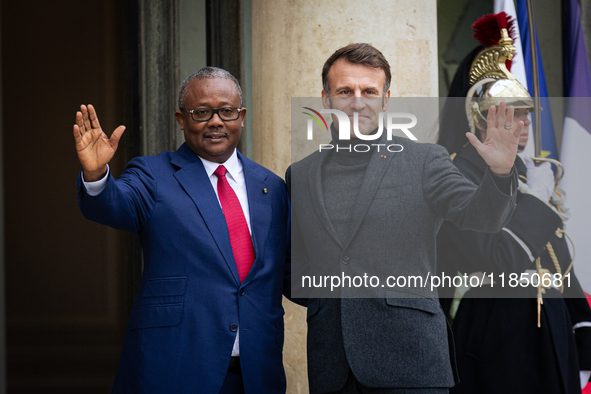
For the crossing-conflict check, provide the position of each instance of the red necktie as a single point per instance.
(237, 227)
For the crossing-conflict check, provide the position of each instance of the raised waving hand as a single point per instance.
(502, 137)
(95, 150)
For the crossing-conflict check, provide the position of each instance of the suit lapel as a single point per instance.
(317, 191)
(194, 180)
(260, 209)
(376, 169)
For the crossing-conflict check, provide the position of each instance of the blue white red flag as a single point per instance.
(576, 141)
(549, 148)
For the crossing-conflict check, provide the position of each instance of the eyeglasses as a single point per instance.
(204, 114)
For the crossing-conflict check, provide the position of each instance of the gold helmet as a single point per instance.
(491, 80)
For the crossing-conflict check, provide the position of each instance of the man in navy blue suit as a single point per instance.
(214, 228)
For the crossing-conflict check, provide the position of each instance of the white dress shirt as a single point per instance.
(235, 177)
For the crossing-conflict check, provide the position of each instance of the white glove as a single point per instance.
(559, 199)
(540, 179)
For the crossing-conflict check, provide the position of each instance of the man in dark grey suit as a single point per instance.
(378, 213)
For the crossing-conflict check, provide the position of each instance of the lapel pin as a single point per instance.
(383, 156)
(265, 190)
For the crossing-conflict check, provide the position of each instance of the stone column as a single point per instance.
(159, 76)
(291, 40)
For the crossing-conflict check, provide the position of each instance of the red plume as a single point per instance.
(487, 30)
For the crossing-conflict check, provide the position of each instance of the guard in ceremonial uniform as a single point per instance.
(510, 339)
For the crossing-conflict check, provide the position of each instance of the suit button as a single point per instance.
(345, 259)
(233, 327)
(242, 292)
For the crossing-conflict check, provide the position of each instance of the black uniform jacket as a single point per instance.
(499, 345)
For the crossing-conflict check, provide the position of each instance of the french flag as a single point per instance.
(549, 148)
(576, 141)
(521, 68)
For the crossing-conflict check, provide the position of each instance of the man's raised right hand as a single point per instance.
(95, 150)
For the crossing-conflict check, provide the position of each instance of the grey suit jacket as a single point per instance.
(399, 337)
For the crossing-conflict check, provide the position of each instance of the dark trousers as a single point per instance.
(233, 382)
(354, 387)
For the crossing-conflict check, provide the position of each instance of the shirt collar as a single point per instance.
(233, 166)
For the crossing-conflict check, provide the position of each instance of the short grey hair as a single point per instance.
(208, 73)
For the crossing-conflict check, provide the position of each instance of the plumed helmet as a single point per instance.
(490, 77)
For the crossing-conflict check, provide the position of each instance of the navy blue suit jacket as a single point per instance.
(190, 302)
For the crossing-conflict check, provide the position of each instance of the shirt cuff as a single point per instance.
(504, 182)
(95, 188)
(584, 378)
